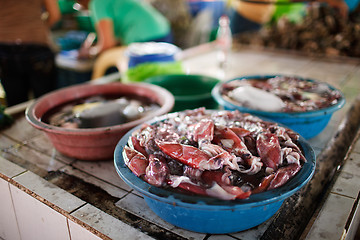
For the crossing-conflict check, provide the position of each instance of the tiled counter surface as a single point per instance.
(45, 195)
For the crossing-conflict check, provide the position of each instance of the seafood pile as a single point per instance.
(222, 154)
(322, 32)
(98, 111)
(280, 94)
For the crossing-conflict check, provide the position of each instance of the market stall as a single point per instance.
(66, 198)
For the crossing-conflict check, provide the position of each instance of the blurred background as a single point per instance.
(311, 28)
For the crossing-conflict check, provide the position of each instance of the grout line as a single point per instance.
(353, 210)
(54, 208)
(74, 210)
(68, 227)
(13, 206)
(342, 195)
(21, 173)
(96, 177)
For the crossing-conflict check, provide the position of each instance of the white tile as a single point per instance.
(36, 220)
(78, 232)
(42, 144)
(352, 164)
(221, 237)
(281, 65)
(22, 130)
(350, 94)
(353, 80)
(332, 218)
(355, 223)
(357, 146)
(137, 206)
(108, 225)
(237, 65)
(254, 233)
(5, 142)
(348, 181)
(41, 160)
(104, 170)
(323, 138)
(9, 169)
(248, 59)
(49, 191)
(330, 68)
(109, 188)
(347, 184)
(8, 225)
(188, 234)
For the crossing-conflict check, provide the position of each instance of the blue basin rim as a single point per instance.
(217, 95)
(203, 203)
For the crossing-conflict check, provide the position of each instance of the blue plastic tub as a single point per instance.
(217, 8)
(307, 124)
(210, 215)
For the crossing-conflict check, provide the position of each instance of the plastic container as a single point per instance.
(71, 70)
(71, 40)
(151, 52)
(190, 91)
(223, 40)
(210, 215)
(93, 143)
(307, 124)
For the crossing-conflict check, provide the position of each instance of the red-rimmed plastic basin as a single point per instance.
(93, 143)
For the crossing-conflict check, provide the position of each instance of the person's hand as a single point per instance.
(86, 50)
(83, 53)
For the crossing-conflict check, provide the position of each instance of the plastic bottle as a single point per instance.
(223, 40)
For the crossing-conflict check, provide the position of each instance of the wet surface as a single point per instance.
(301, 206)
(105, 202)
(97, 183)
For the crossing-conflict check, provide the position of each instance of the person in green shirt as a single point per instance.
(251, 15)
(121, 22)
(295, 10)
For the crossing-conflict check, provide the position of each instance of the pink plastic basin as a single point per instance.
(93, 143)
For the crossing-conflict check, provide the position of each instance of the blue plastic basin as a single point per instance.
(307, 124)
(211, 215)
